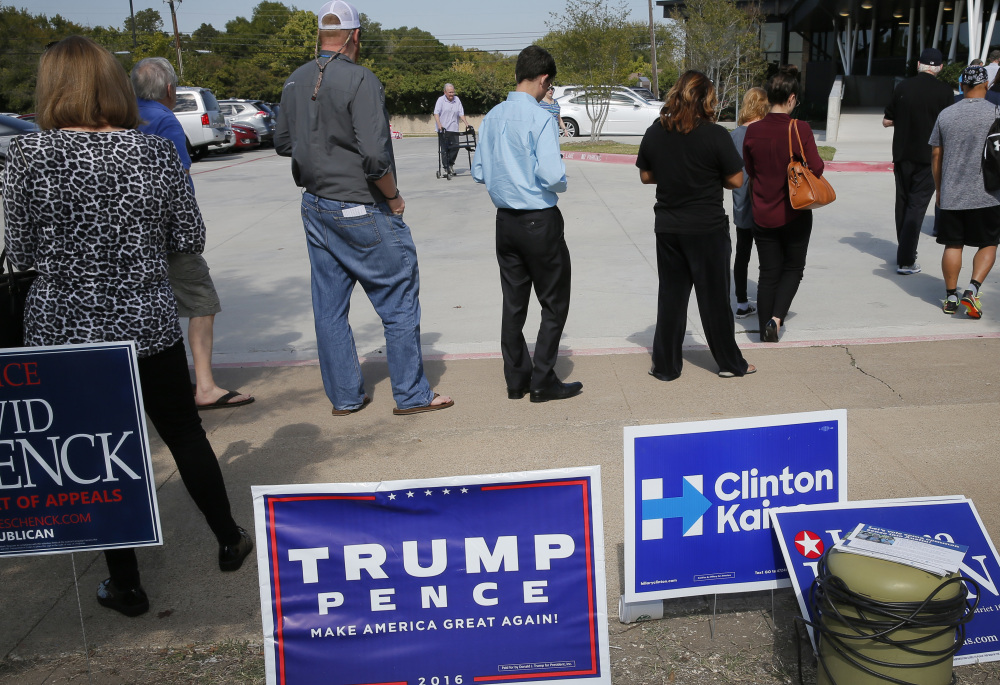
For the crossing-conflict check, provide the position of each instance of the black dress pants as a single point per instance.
(700, 260)
(169, 404)
(451, 147)
(781, 253)
(914, 190)
(532, 252)
(741, 266)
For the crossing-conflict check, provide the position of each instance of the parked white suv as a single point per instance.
(198, 111)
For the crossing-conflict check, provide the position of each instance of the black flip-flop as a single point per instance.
(224, 403)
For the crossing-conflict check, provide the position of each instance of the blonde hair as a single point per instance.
(82, 84)
(755, 106)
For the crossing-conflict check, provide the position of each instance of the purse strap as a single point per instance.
(802, 150)
(20, 152)
(4, 259)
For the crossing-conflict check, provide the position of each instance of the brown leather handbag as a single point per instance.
(805, 190)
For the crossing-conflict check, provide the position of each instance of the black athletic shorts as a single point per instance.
(972, 227)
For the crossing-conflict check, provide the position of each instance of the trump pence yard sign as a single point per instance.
(446, 581)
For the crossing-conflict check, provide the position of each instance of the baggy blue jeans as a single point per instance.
(373, 247)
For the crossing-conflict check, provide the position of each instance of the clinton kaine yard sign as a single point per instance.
(445, 581)
(697, 496)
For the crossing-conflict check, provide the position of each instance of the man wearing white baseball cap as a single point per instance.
(335, 127)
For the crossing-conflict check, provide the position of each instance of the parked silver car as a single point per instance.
(253, 112)
(203, 123)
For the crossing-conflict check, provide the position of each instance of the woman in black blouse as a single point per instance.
(691, 159)
(95, 206)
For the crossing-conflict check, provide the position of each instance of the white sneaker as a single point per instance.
(908, 270)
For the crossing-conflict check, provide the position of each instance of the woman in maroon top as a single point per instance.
(780, 232)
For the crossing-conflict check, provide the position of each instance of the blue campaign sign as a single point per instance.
(75, 470)
(445, 581)
(806, 532)
(697, 496)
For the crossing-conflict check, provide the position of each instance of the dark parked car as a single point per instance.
(10, 128)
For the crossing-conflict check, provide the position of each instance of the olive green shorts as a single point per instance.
(192, 285)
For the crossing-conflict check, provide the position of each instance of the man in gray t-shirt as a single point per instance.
(969, 214)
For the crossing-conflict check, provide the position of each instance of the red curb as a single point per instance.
(599, 157)
(858, 166)
(608, 158)
(230, 166)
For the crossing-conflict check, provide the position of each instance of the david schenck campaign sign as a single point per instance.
(445, 581)
(75, 470)
(806, 532)
(697, 496)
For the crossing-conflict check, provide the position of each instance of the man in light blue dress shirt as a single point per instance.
(518, 158)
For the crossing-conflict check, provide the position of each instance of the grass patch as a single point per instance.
(605, 146)
(826, 152)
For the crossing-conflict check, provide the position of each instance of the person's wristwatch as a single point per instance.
(394, 197)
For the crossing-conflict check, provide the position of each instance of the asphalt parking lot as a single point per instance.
(920, 389)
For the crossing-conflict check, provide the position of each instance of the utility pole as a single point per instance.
(652, 53)
(131, 10)
(177, 39)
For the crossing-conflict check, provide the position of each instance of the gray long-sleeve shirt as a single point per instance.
(339, 143)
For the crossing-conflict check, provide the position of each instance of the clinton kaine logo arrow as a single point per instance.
(689, 507)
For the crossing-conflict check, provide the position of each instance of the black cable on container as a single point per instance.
(876, 621)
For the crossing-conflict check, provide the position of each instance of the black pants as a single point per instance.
(451, 148)
(532, 252)
(169, 404)
(781, 253)
(700, 260)
(744, 246)
(914, 190)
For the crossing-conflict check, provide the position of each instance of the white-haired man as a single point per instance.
(155, 83)
(335, 127)
(914, 108)
(448, 111)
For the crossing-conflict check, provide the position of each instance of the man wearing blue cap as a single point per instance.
(970, 215)
(914, 108)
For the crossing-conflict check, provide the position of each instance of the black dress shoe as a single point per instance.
(516, 393)
(231, 556)
(661, 376)
(770, 332)
(131, 602)
(556, 391)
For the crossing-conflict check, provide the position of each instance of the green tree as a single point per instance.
(592, 42)
(146, 21)
(23, 37)
(407, 50)
(722, 39)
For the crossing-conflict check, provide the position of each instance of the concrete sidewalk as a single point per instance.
(922, 403)
(921, 421)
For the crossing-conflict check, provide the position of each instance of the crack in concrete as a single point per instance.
(854, 363)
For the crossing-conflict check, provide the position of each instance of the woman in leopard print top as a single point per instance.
(95, 212)
(95, 206)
